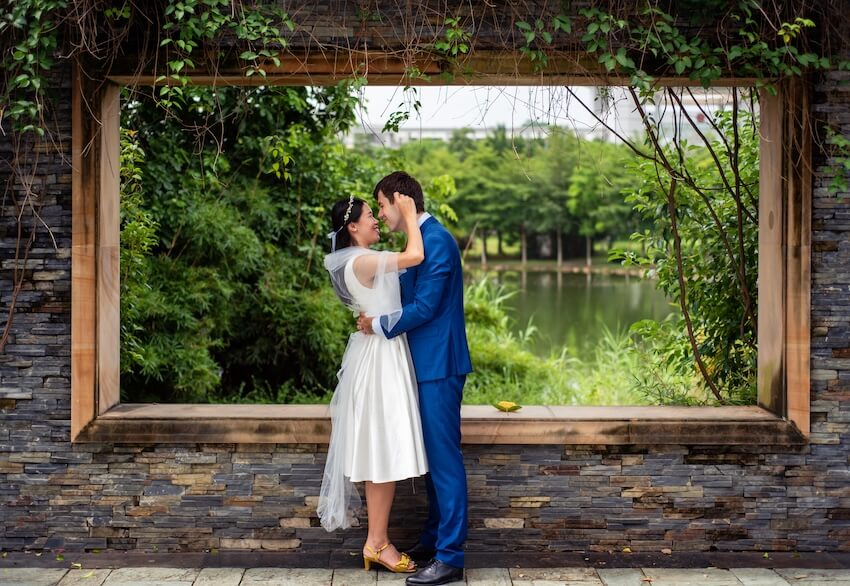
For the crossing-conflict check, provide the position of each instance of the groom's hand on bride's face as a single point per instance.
(364, 324)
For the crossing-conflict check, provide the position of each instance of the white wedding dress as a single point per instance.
(376, 433)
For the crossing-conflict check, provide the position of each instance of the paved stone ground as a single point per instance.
(160, 576)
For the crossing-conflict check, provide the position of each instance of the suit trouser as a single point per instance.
(446, 527)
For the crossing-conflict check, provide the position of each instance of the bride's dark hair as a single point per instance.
(339, 221)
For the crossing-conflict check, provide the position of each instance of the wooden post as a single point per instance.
(771, 269)
(560, 243)
(523, 245)
(83, 259)
(95, 319)
(784, 305)
(797, 174)
(108, 251)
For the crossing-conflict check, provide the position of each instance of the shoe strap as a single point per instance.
(377, 552)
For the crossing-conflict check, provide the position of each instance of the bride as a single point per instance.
(376, 433)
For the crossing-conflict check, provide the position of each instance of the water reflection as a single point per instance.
(570, 309)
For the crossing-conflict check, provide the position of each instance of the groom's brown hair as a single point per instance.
(405, 184)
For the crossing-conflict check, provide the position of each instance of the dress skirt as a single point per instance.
(376, 433)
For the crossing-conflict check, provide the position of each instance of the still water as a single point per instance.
(570, 309)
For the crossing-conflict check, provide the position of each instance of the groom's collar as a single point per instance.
(423, 218)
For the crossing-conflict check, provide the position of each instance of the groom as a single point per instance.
(432, 317)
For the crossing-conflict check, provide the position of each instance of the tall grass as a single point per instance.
(621, 372)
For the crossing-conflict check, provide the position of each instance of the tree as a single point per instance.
(556, 163)
(231, 300)
(594, 197)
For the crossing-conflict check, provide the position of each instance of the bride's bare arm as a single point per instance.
(366, 266)
(414, 252)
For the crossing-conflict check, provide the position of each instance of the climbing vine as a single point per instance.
(638, 42)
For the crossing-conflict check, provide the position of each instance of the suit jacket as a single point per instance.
(432, 308)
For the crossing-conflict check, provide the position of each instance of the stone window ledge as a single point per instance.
(482, 424)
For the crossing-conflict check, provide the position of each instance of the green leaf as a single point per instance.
(562, 23)
(623, 59)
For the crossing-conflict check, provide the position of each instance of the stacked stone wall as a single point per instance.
(54, 494)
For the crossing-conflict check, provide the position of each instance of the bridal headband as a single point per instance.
(332, 235)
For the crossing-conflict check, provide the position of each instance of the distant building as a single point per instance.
(698, 108)
(363, 135)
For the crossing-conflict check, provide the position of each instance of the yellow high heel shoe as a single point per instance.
(402, 567)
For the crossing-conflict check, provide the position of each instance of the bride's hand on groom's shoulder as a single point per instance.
(364, 324)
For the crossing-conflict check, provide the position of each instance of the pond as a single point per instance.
(571, 309)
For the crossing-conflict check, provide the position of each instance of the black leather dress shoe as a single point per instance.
(421, 554)
(435, 573)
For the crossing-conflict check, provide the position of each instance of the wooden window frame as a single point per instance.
(784, 285)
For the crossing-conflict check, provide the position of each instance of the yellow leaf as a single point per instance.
(507, 406)
(627, 550)
(77, 566)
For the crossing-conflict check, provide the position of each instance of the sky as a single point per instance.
(478, 106)
(532, 110)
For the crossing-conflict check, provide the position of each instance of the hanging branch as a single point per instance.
(689, 181)
(677, 244)
(682, 174)
(678, 174)
(739, 261)
(735, 192)
(739, 210)
(753, 215)
(19, 266)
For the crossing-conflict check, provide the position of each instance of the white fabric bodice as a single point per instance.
(374, 301)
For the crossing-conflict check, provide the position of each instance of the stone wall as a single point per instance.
(35, 367)
(522, 497)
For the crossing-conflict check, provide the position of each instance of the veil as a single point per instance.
(338, 497)
(372, 275)
(335, 264)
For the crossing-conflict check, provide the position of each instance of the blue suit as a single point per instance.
(432, 317)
